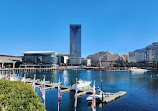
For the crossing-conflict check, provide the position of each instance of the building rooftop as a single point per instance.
(63, 54)
(7, 61)
(10, 56)
(40, 52)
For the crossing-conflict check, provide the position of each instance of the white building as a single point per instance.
(88, 62)
(63, 58)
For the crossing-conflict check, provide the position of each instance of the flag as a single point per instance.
(76, 90)
(43, 89)
(23, 79)
(33, 82)
(59, 93)
(4, 77)
(93, 104)
(17, 78)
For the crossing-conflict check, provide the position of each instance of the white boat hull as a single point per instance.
(82, 85)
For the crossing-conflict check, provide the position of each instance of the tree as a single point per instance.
(19, 96)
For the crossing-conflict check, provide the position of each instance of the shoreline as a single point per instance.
(125, 69)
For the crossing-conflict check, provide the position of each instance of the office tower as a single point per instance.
(75, 44)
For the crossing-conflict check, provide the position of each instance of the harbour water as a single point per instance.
(142, 90)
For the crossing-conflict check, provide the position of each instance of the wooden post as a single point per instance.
(102, 89)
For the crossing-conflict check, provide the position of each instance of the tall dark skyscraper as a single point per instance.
(75, 44)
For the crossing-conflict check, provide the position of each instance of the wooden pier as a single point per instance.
(112, 96)
(65, 90)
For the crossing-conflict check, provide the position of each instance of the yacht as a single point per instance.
(81, 85)
(137, 70)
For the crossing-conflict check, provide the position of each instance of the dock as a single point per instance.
(112, 96)
(85, 90)
(65, 90)
(38, 83)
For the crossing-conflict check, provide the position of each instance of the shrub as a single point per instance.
(19, 96)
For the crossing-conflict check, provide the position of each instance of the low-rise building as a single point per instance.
(152, 52)
(39, 59)
(106, 58)
(137, 55)
(147, 54)
(63, 59)
(86, 62)
(8, 61)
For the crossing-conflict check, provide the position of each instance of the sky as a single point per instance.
(119, 26)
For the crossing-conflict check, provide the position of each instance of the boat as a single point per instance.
(98, 96)
(138, 70)
(81, 85)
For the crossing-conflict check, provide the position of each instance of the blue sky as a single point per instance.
(118, 26)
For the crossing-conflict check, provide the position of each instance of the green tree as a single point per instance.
(19, 96)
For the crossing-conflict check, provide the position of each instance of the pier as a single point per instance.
(66, 68)
(112, 96)
(85, 90)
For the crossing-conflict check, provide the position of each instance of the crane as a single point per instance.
(100, 60)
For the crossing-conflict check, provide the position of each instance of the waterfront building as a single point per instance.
(147, 54)
(63, 59)
(75, 44)
(8, 61)
(39, 59)
(152, 52)
(137, 55)
(86, 61)
(106, 58)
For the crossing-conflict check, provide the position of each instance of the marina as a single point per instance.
(84, 88)
(113, 83)
(110, 96)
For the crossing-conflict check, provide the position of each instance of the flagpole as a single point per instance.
(25, 77)
(58, 93)
(58, 106)
(44, 91)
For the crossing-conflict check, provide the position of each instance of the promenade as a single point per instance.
(67, 68)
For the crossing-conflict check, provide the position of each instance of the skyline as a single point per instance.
(115, 26)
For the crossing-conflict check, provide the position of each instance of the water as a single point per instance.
(142, 90)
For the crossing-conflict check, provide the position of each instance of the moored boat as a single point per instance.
(81, 85)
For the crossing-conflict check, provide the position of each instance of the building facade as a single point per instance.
(75, 45)
(137, 56)
(38, 59)
(86, 62)
(147, 54)
(63, 59)
(7, 61)
(152, 53)
(106, 58)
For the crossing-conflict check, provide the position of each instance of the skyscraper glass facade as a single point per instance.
(75, 44)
